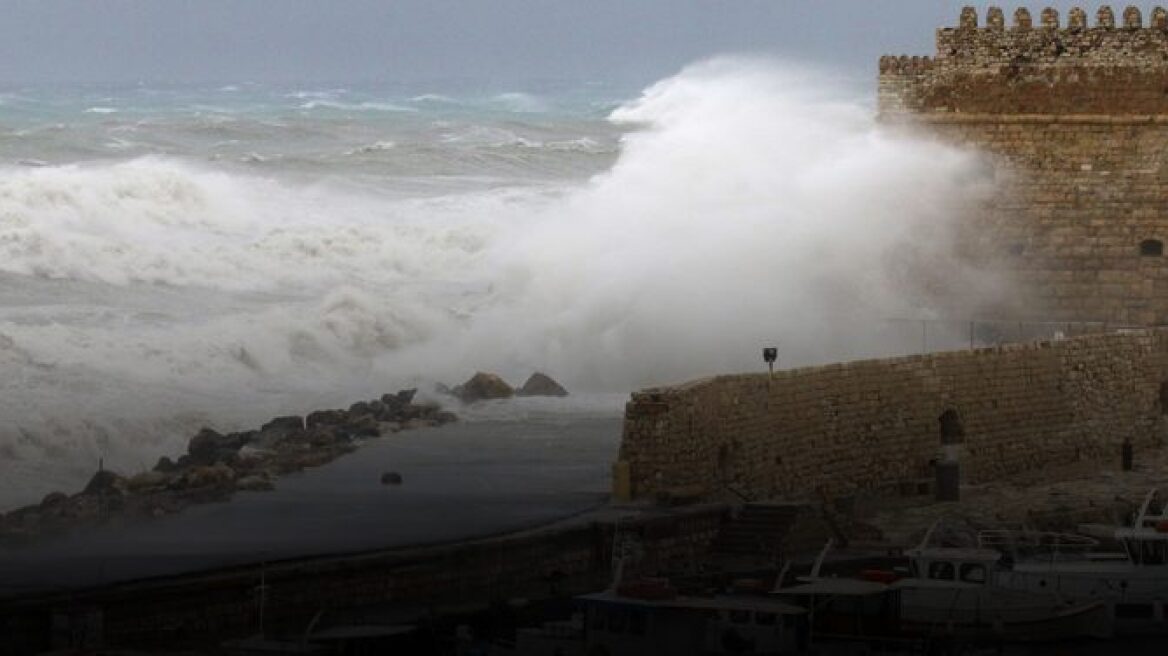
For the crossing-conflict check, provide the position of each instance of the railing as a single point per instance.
(926, 335)
(1035, 540)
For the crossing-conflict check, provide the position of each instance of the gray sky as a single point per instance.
(493, 42)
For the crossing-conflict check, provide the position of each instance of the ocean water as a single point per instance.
(172, 257)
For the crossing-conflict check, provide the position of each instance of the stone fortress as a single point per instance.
(1073, 118)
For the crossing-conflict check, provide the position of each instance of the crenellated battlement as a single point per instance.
(905, 65)
(990, 65)
(1051, 42)
(1049, 19)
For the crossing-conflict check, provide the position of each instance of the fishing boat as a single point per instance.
(1131, 581)
(943, 593)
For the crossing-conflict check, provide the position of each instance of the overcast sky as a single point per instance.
(494, 42)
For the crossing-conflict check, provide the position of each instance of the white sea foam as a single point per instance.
(520, 102)
(317, 94)
(367, 106)
(117, 143)
(581, 145)
(436, 98)
(375, 147)
(490, 136)
(747, 206)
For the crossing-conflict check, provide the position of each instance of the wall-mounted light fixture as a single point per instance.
(770, 354)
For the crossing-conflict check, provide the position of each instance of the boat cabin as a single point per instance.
(974, 567)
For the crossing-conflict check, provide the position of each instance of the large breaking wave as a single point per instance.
(748, 205)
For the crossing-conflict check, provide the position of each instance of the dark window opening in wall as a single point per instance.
(1151, 248)
(952, 430)
(1164, 398)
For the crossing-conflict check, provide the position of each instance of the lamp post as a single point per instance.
(769, 355)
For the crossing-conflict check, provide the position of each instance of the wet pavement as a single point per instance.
(460, 481)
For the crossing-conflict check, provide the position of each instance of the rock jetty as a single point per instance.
(217, 465)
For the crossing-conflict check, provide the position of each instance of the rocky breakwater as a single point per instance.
(217, 465)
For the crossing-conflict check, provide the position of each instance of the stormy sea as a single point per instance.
(178, 257)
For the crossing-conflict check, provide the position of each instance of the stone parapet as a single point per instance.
(874, 426)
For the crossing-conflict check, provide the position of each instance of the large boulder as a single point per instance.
(255, 483)
(250, 454)
(208, 446)
(323, 436)
(276, 431)
(148, 481)
(483, 386)
(541, 385)
(54, 499)
(326, 418)
(391, 405)
(218, 475)
(105, 482)
(361, 426)
(287, 423)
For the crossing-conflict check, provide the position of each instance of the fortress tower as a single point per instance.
(1075, 114)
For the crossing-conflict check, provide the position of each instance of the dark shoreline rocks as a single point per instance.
(485, 386)
(540, 384)
(217, 465)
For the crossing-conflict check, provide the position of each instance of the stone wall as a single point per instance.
(204, 609)
(875, 426)
(1074, 118)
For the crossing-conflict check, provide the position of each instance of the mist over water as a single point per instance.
(233, 255)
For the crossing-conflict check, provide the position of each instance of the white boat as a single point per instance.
(965, 592)
(1132, 583)
(947, 592)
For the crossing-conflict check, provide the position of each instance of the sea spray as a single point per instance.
(749, 206)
